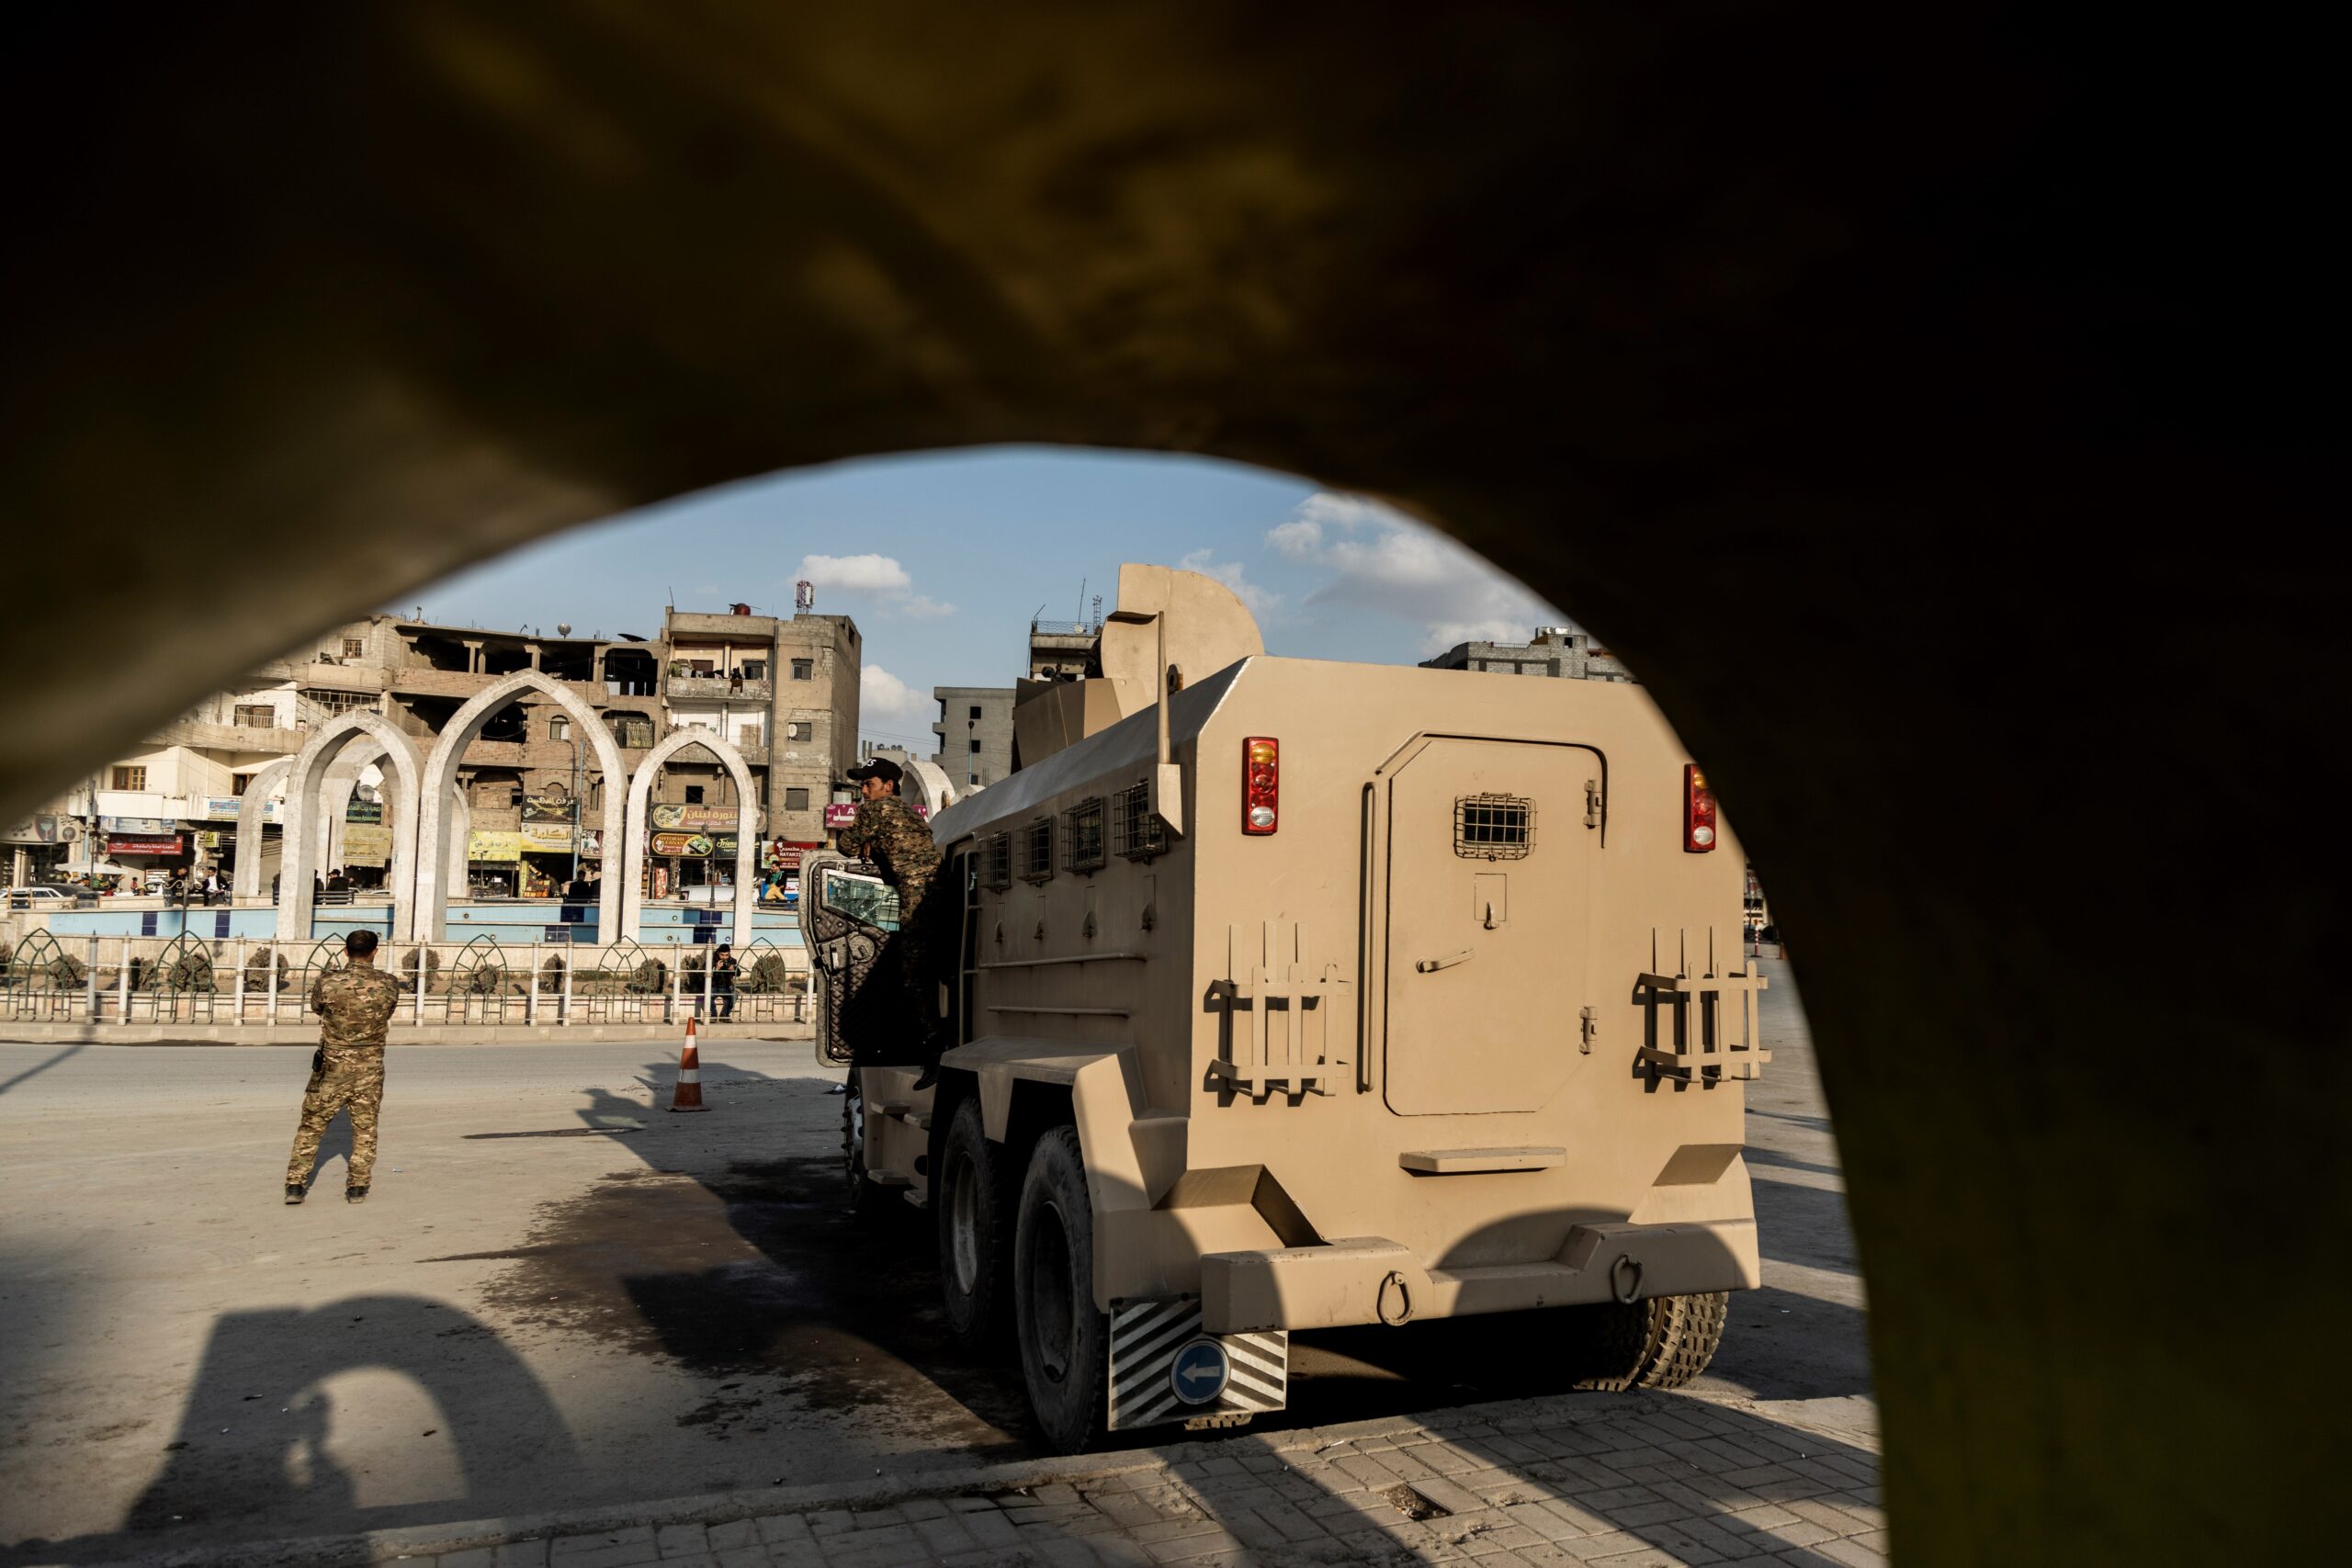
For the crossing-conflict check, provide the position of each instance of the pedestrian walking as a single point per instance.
(355, 1005)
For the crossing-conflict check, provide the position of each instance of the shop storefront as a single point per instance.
(534, 862)
(36, 850)
(679, 862)
(144, 844)
(689, 847)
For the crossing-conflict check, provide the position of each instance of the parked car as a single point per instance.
(43, 891)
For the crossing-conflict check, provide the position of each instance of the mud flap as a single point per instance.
(1163, 1368)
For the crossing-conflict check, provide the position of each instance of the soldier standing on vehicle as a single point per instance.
(355, 1005)
(887, 832)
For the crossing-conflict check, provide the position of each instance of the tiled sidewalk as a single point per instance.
(1629, 1481)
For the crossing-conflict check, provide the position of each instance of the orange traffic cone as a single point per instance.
(689, 1091)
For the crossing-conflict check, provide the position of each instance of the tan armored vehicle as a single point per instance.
(1316, 995)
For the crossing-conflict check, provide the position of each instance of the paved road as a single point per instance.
(532, 1315)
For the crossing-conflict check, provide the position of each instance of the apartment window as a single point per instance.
(804, 669)
(803, 729)
(693, 794)
(976, 713)
(129, 778)
(339, 702)
(237, 783)
(257, 715)
(971, 778)
(749, 735)
(560, 728)
(755, 668)
(975, 748)
(354, 648)
(796, 800)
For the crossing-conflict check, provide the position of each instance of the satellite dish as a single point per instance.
(563, 628)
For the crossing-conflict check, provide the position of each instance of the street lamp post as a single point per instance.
(575, 811)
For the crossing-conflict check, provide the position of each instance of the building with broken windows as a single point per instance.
(780, 693)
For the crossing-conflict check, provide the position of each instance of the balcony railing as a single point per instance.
(720, 686)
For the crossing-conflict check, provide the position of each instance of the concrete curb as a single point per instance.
(720, 1507)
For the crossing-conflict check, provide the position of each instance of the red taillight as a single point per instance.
(1262, 784)
(1698, 811)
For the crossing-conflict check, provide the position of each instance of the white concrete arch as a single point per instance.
(244, 885)
(640, 793)
(305, 790)
(436, 853)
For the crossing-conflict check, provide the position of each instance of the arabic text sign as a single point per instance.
(494, 846)
(367, 843)
(117, 844)
(691, 818)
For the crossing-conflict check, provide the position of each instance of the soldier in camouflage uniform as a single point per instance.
(887, 832)
(355, 1005)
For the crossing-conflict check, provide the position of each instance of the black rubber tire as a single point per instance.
(1661, 1343)
(867, 1203)
(1065, 1338)
(973, 1199)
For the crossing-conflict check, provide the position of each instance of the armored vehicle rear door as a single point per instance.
(846, 916)
(1488, 902)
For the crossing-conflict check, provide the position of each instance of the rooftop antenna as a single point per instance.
(1081, 600)
(804, 597)
(1098, 612)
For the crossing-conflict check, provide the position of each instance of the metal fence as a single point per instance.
(45, 979)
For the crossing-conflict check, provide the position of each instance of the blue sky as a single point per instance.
(943, 560)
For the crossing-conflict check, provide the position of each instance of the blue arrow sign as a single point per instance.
(1199, 1371)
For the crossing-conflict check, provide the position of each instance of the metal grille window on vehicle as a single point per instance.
(1493, 827)
(1037, 850)
(1136, 833)
(996, 861)
(1083, 838)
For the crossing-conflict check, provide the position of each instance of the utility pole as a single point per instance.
(575, 808)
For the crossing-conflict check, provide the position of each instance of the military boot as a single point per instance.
(354, 1194)
(296, 1191)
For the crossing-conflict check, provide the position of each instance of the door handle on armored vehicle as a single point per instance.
(1431, 966)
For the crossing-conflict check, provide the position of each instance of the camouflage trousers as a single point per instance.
(348, 1078)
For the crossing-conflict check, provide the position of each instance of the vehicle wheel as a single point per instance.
(974, 1228)
(865, 1201)
(1660, 1342)
(1065, 1338)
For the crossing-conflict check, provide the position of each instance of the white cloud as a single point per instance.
(859, 574)
(881, 694)
(1384, 561)
(1254, 598)
(878, 575)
